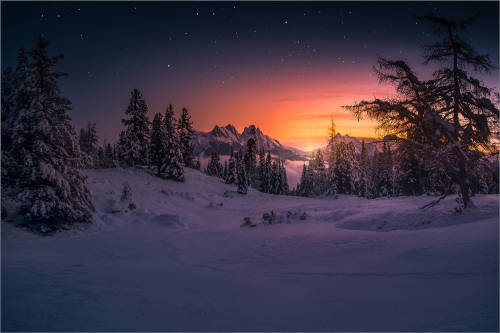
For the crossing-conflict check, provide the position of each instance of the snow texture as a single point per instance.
(180, 261)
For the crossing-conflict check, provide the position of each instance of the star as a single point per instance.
(168, 65)
(58, 15)
(286, 21)
(81, 36)
(42, 16)
(213, 13)
(197, 14)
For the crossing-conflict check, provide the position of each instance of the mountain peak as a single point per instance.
(252, 130)
(231, 129)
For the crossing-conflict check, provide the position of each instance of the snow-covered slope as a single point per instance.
(181, 262)
(226, 139)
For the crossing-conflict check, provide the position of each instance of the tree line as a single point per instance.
(243, 170)
(387, 173)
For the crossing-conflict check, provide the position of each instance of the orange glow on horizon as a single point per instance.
(295, 109)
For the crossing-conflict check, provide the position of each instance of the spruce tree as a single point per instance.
(364, 169)
(250, 161)
(231, 170)
(9, 120)
(225, 171)
(186, 133)
(17, 88)
(172, 159)
(344, 166)
(134, 140)
(157, 144)
(89, 145)
(241, 177)
(214, 167)
(109, 156)
(284, 179)
(47, 154)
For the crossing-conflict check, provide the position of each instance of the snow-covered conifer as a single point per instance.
(172, 160)
(134, 140)
(186, 133)
(241, 178)
(157, 145)
(53, 189)
(214, 167)
(231, 170)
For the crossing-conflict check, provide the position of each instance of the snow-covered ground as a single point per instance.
(181, 261)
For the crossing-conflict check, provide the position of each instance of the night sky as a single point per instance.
(286, 67)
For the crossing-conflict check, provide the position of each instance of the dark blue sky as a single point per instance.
(223, 60)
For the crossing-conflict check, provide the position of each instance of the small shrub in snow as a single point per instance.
(126, 193)
(247, 223)
(132, 206)
(227, 194)
(288, 217)
(269, 218)
(215, 205)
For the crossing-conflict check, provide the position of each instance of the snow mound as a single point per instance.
(407, 214)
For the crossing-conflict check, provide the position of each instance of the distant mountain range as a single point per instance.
(226, 139)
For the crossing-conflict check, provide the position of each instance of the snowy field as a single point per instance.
(181, 262)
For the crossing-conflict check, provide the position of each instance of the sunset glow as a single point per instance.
(287, 70)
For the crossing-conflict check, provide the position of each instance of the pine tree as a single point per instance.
(9, 119)
(172, 159)
(109, 156)
(89, 145)
(364, 165)
(186, 133)
(53, 189)
(17, 88)
(241, 177)
(250, 161)
(134, 140)
(317, 166)
(343, 168)
(214, 167)
(225, 171)
(157, 144)
(284, 180)
(306, 185)
(231, 170)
